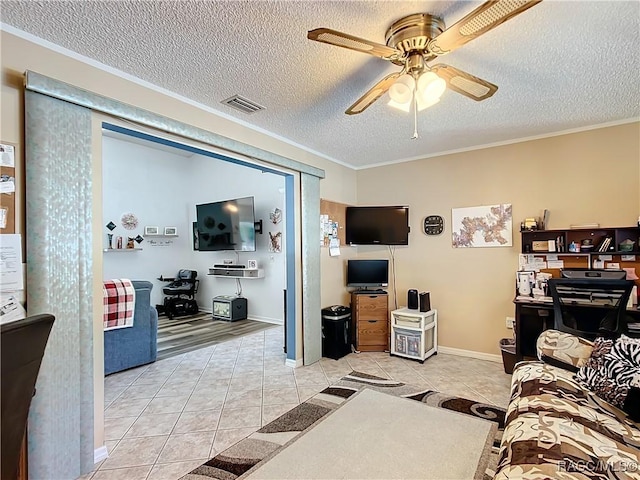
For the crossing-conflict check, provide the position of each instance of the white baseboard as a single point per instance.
(470, 353)
(100, 454)
(293, 363)
(275, 321)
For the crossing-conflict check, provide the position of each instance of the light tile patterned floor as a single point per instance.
(164, 419)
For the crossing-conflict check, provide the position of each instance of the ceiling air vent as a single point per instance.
(242, 104)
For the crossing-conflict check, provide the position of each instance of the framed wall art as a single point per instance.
(483, 226)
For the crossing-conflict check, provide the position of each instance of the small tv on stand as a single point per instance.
(368, 275)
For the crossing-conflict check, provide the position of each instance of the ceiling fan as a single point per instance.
(414, 41)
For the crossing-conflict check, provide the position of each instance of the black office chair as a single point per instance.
(23, 343)
(590, 307)
(180, 294)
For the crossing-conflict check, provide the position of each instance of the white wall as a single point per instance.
(212, 181)
(162, 188)
(152, 184)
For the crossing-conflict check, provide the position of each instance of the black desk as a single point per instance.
(533, 317)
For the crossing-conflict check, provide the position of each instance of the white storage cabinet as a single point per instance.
(414, 334)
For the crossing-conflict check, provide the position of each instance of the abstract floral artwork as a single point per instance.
(485, 226)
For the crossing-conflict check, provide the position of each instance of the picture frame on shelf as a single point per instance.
(170, 231)
(150, 230)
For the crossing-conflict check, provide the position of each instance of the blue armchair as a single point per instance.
(138, 345)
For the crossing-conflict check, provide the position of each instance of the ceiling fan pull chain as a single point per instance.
(415, 115)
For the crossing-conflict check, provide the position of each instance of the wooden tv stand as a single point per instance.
(370, 313)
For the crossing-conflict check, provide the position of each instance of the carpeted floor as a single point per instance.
(240, 458)
(191, 332)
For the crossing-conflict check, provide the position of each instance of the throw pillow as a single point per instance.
(628, 349)
(601, 347)
(613, 371)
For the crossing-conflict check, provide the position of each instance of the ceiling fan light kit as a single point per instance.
(402, 90)
(431, 86)
(414, 41)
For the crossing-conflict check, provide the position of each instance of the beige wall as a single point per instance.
(18, 55)
(580, 178)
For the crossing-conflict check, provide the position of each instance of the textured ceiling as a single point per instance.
(559, 66)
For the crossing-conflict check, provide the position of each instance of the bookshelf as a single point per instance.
(553, 248)
(608, 240)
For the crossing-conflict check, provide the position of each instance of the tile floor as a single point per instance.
(164, 419)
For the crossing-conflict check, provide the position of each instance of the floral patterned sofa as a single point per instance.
(556, 428)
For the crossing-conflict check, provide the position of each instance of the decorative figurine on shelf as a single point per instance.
(529, 224)
(130, 241)
(110, 240)
(118, 242)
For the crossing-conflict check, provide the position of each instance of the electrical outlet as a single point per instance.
(510, 322)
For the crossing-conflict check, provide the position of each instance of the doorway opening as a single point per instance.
(158, 182)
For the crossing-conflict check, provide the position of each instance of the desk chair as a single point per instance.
(23, 343)
(590, 307)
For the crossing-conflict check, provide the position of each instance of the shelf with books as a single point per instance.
(597, 240)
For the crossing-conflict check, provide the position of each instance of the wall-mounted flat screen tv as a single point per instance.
(226, 225)
(367, 273)
(384, 225)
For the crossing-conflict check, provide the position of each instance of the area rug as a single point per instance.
(191, 332)
(240, 459)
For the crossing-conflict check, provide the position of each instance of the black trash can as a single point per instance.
(336, 331)
(508, 349)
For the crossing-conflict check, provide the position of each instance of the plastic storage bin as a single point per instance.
(407, 321)
(407, 342)
(336, 331)
(508, 349)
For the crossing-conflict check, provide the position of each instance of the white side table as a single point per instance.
(414, 334)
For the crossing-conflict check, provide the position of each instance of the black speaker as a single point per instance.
(425, 301)
(412, 299)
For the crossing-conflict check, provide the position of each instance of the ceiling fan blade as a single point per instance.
(484, 18)
(344, 40)
(373, 94)
(465, 83)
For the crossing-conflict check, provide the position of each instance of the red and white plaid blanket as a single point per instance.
(119, 299)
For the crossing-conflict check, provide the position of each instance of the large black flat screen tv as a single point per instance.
(226, 225)
(377, 225)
